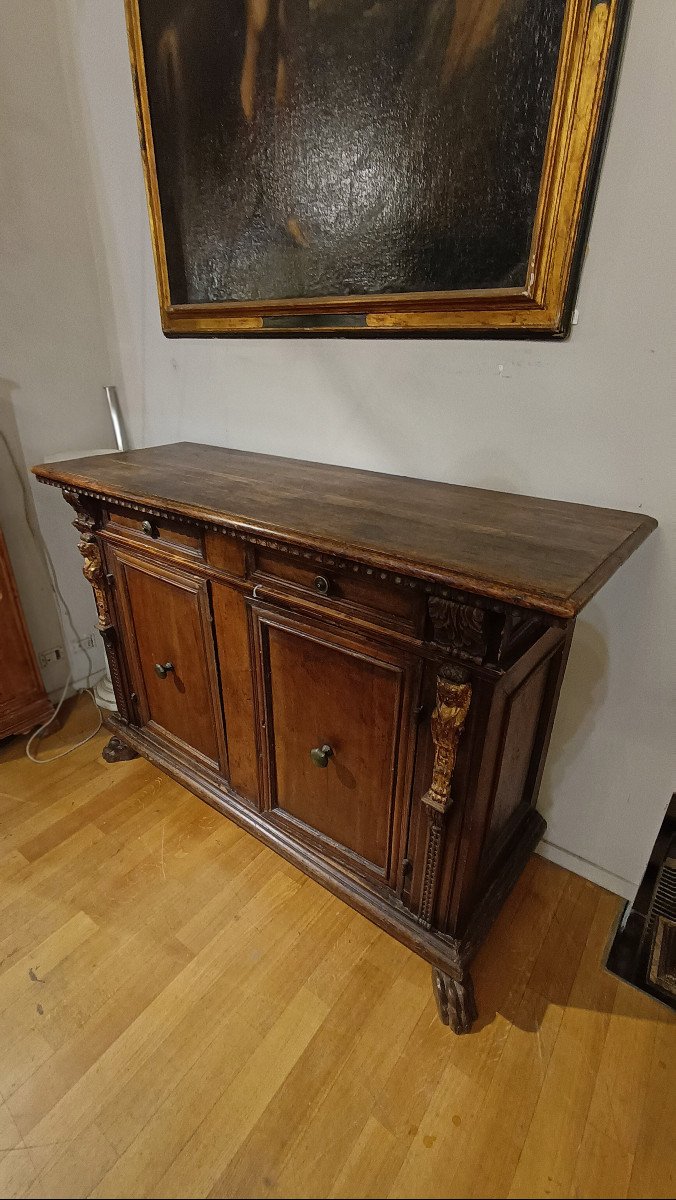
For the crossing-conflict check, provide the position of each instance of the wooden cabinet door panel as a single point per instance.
(23, 702)
(167, 617)
(323, 689)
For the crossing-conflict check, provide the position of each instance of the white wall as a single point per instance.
(53, 352)
(590, 420)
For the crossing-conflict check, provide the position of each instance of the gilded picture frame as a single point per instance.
(560, 180)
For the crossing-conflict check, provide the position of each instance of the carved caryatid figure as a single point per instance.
(448, 718)
(93, 570)
(85, 523)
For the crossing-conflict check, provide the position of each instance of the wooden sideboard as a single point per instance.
(360, 669)
(23, 700)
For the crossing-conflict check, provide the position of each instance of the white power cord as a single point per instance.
(69, 749)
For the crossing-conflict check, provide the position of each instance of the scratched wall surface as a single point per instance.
(348, 147)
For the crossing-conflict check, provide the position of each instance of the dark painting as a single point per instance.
(311, 148)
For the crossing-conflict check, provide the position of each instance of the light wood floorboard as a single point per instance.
(184, 1014)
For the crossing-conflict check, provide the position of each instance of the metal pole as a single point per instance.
(121, 438)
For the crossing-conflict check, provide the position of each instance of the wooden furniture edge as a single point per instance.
(594, 582)
(247, 529)
(25, 717)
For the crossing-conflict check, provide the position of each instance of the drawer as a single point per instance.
(146, 529)
(365, 591)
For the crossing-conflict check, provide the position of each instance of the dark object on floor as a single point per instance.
(116, 751)
(643, 951)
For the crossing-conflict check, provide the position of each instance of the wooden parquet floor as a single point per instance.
(184, 1014)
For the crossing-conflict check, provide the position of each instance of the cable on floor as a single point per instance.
(34, 737)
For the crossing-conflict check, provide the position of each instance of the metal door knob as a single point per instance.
(321, 584)
(149, 529)
(321, 755)
(163, 669)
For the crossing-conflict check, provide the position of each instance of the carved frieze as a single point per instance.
(463, 627)
(476, 630)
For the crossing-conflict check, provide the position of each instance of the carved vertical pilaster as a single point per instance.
(452, 705)
(109, 635)
(86, 524)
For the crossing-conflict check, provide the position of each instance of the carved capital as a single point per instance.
(460, 626)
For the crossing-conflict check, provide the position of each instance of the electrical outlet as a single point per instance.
(47, 657)
(87, 643)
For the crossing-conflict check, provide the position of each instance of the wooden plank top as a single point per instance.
(544, 554)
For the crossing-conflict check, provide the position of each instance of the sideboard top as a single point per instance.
(545, 554)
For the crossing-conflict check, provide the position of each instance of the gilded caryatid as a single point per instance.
(448, 718)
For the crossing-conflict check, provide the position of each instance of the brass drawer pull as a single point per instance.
(149, 529)
(163, 669)
(321, 584)
(321, 755)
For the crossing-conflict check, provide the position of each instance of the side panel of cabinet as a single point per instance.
(167, 623)
(320, 688)
(23, 702)
(503, 789)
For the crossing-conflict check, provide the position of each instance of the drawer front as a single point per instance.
(336, 715)
(366, 592)
(144, 529)
(168, 636)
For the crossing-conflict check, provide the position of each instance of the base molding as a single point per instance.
(449, 955)
(588, 870)
(25, 717)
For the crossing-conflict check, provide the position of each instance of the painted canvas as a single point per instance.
(348, 156)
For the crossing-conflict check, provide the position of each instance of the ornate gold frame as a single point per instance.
(590, 47)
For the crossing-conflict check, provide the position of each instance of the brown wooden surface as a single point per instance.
(23, 701)
(322, 690)
(544, 554)
(183, 1013)
(167, 622)
(237, 687)
(437, 704)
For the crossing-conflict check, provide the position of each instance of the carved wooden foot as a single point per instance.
(455, 1000)
(117, 751)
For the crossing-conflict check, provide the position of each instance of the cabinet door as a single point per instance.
(23, 702)
(336, 712)
(167, 630)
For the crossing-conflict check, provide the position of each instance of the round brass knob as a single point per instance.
(321, 755)
(163, 669)
(149, 529)
(321, 584)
